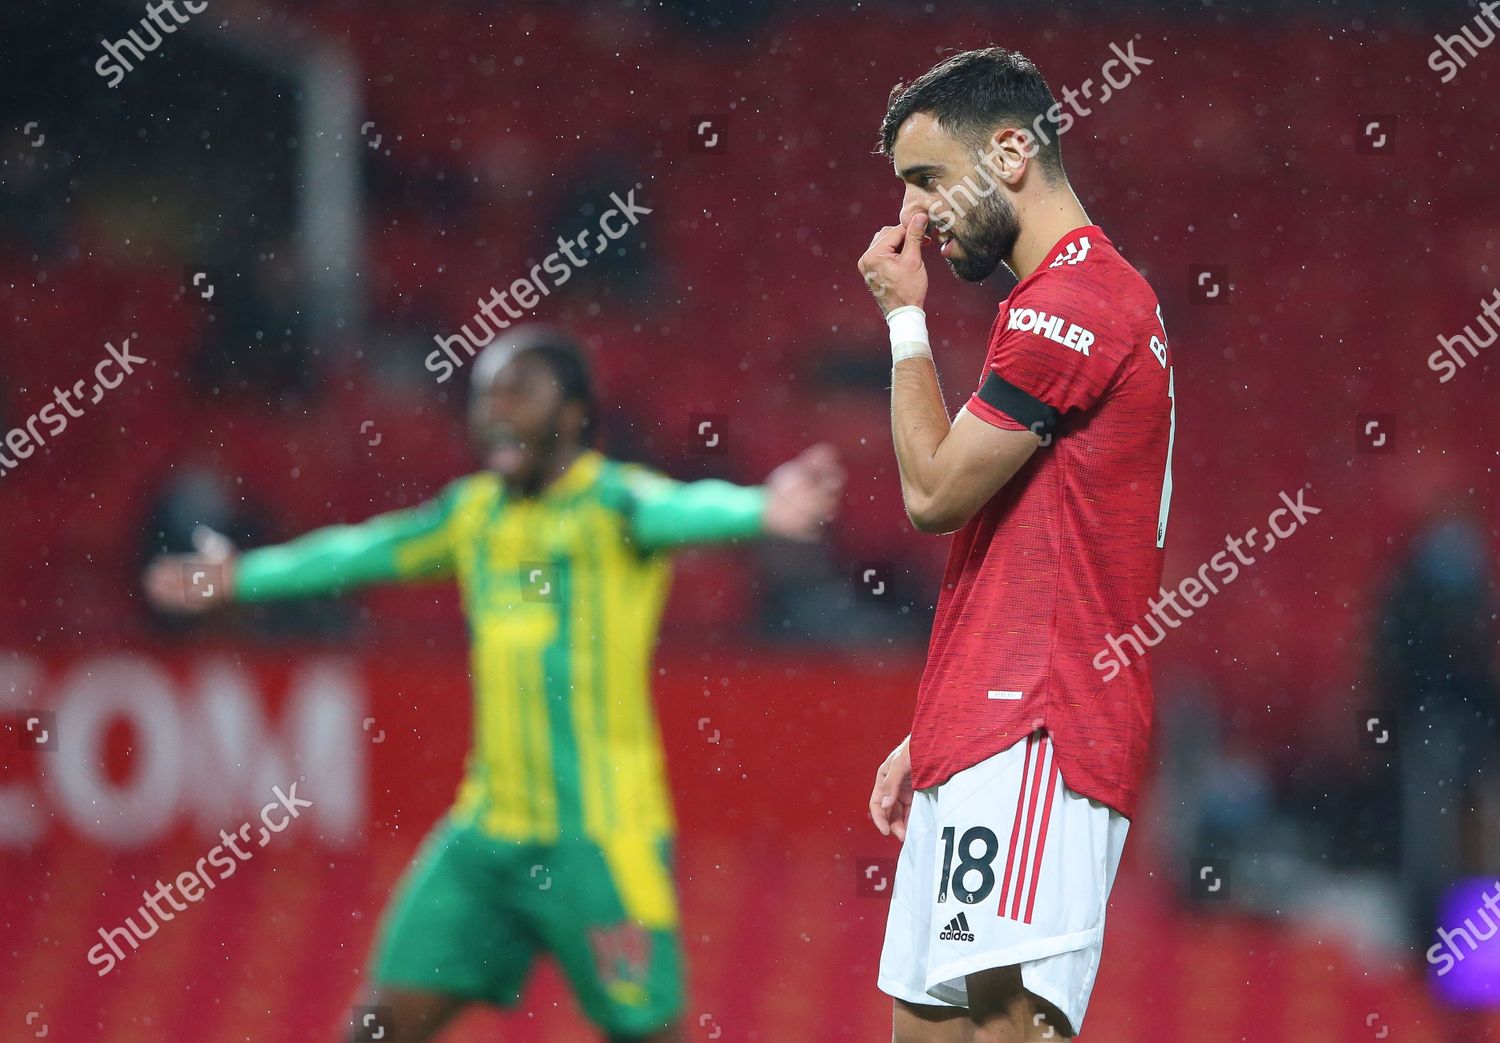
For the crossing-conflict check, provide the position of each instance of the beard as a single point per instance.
(987, 238)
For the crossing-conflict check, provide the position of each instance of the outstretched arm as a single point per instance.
(399, 545)
(796, 500)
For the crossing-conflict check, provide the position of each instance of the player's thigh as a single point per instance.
(1001, 1009)
(929, 1023)
(408, 1017)
(609, 917)
(452, 927)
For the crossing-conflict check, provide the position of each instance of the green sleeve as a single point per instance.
(399, 545)
(665, 513)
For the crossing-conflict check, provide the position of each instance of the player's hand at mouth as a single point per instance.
(191, 583)
(890, 800)
(893, 268)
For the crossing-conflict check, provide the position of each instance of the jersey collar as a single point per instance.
(578, 477)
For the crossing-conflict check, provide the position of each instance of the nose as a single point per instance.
(914, 202)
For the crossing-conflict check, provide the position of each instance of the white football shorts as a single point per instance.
(1003, 865)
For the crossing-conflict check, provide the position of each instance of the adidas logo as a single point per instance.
(957, 930)
(1074, 253)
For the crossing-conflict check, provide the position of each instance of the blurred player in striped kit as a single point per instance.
(562, 558)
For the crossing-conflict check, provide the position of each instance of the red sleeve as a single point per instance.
(1056, 347)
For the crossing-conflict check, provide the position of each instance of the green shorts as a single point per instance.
(472, 913)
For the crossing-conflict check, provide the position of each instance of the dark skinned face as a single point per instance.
(522, 427)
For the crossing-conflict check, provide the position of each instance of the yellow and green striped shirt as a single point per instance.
(563, 593)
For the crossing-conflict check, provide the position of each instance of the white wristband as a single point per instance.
(908, 333)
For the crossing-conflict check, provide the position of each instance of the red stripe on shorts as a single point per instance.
(1036, 791)
(1041, 844)
(1015, 829)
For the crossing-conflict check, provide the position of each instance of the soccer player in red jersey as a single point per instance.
(1014, 791)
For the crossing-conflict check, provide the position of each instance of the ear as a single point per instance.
(1009, 154)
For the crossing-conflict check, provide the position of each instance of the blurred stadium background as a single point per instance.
(284, 204)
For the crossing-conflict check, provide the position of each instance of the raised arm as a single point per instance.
(796, 500)
(400, 545)
(948, 469)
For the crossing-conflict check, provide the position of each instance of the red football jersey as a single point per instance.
(1069, 551)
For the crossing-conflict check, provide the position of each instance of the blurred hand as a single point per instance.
(890, 800)
(893, 267)
(192, 583)
(803, 493)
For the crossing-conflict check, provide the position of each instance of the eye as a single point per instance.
(928, 180)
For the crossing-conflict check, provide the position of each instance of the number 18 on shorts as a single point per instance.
(1003, 865)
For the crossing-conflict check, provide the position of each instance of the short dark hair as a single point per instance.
(563, 354)
(972, 93)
